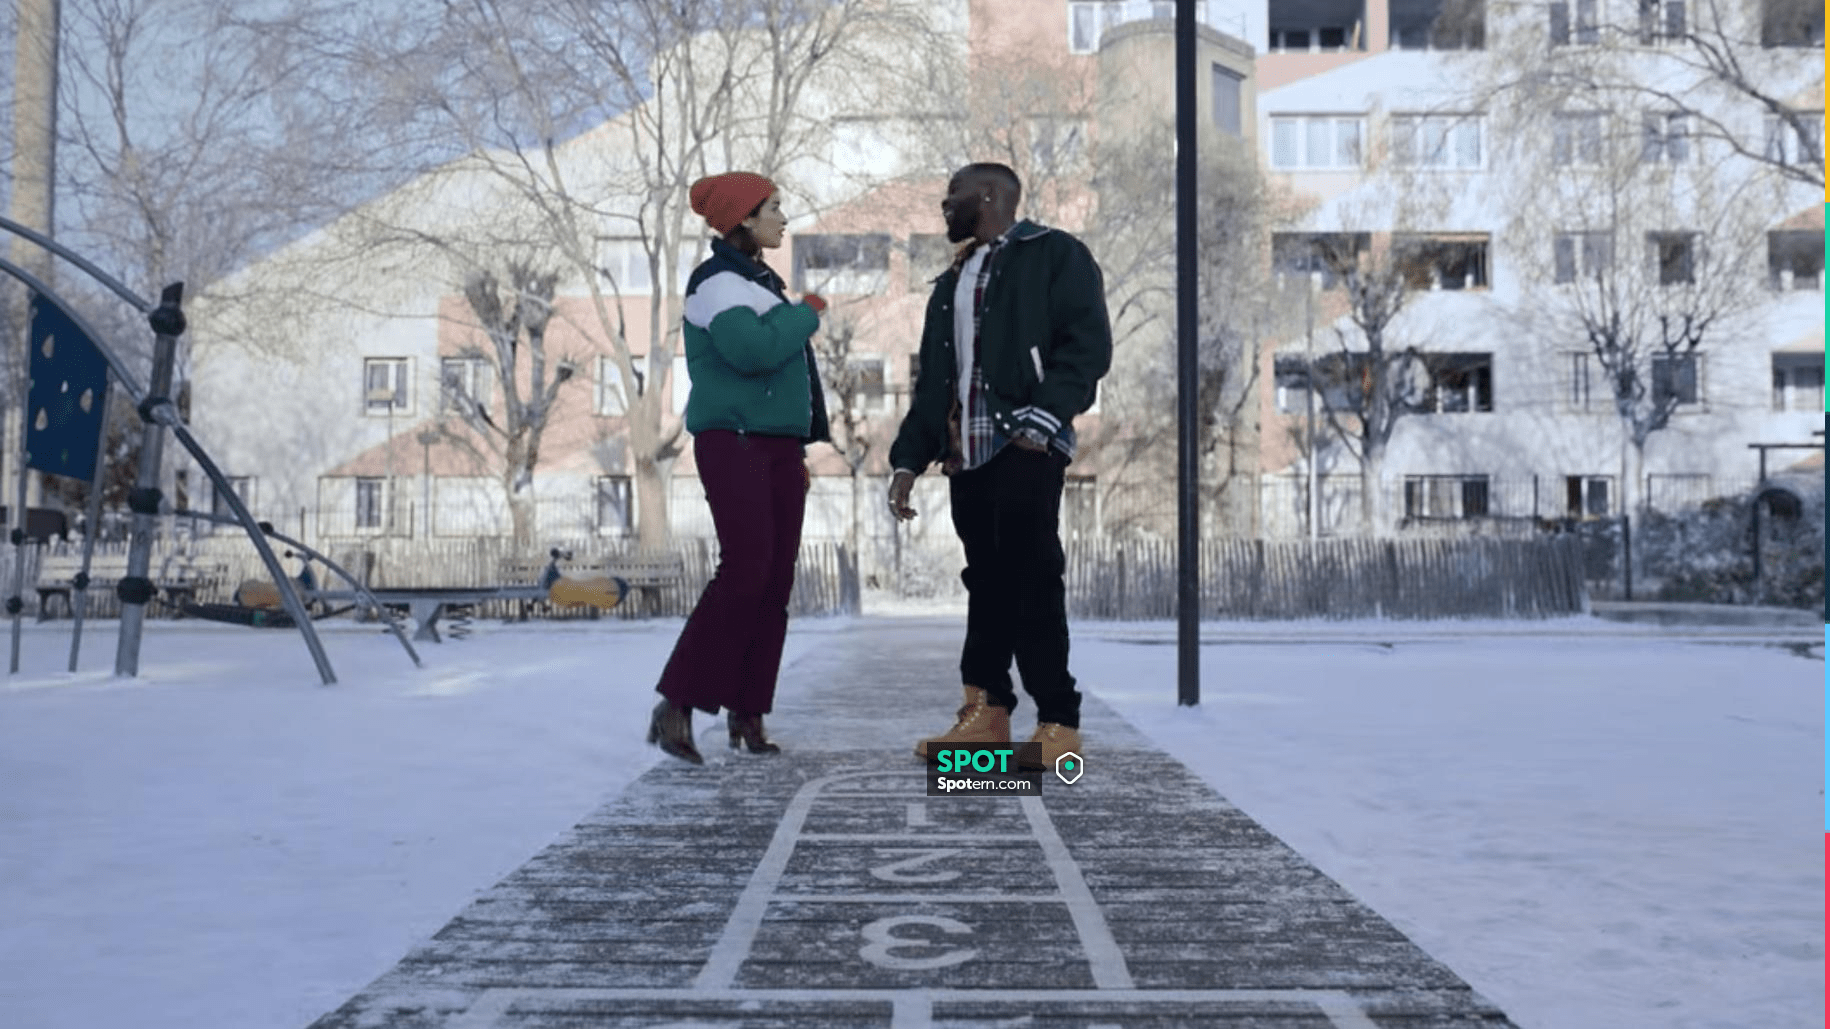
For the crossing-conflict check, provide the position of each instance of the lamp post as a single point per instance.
(427, 437)
(1315, 501)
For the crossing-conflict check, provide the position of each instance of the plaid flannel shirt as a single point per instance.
(978, 439)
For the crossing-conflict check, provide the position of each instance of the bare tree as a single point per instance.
(514, 315)
(1706, 63)
(1135, 239)
(665, 93)
(1646, 251)
(851, 388)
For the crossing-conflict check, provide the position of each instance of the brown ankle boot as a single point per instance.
(671, 729)
(979, 721)
(1056, 739)
(747, 732)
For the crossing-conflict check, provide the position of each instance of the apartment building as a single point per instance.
(1346, 105)
(1386, 115)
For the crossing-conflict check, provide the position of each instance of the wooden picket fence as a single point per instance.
(1338, 578)
(1106, 580)
(826, 580)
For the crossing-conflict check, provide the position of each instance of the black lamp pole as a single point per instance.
(1188, 520)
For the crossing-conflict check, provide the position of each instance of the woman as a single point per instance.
(755, 405)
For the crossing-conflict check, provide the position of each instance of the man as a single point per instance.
(1014, 344)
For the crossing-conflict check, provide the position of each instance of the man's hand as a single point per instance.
(1031, 440)
(901, 485)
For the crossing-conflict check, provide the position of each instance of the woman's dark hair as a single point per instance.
(743, 239)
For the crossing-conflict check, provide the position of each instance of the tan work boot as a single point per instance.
(1056, 740)
(980, 721)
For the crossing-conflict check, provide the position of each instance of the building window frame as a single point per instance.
(387, 386)
(1294, 140)
(1439, 142)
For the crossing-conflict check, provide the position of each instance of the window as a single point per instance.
(1324, 26)
(1661, 21)
(1341, 380)
(384, 385)
(1292, 373)
(1056, 144)
(1674, 380)
(1803, 145)
(615, 505)
(1438, 24)
(243, 485)
(1798, 382)
(867, 373)
(914, 371)
(611, 393)
(1673, 256)
(1574, 22)
(1588, 496)
(1582, 255)
(1576, 139)
(1791, 23)
(1315, 142)
(1227, 111)
(1442, 262)
(1321, 256)
(1088, 20)
(1080, 507)
(371, 503)
(1450, 141)
(463, 384)
(1666, 138)
(1795, 259)
(1580, 392)
(1446, 496)
(1459, 383)
(841, 264)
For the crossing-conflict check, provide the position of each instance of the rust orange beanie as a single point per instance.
(724, 201)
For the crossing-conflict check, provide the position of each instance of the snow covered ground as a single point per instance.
(1595, 826)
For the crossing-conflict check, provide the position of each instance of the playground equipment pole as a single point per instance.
(166, 414)
(167, 323)
(92, 527)
(15, 607)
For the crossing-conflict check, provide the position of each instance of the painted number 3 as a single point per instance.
(884, 942)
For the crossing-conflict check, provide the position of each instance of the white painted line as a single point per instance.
(914, 1009)
(533, 995)
(1108, 962)
(918, 898)
(918, 815)
(919, 837)
(740, 929)
(1344, 1013)
(486, 1011)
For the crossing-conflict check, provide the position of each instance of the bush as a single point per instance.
(1705, 555)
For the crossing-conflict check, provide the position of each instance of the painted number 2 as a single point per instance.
(883, 942)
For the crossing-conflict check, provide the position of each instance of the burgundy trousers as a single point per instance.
(730, 652)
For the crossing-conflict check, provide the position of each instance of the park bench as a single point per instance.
(647, 572)
(180, 582)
